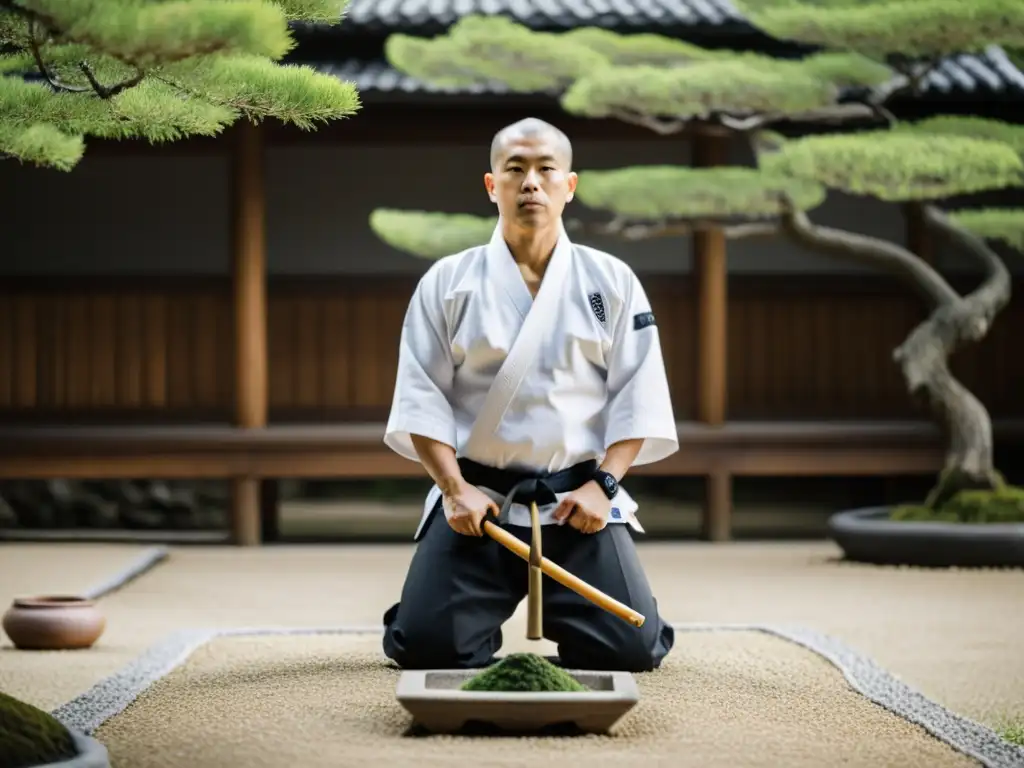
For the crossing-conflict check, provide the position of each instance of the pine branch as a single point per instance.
(37, 55)
(629, 230)
(864, 249)
(994, 292)
(907, 81)
(660, 126)
(109, 91)
(257, 29)
(35, 20)
(838, 113)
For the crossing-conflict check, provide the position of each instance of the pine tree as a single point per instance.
(869, 53)
(159, 70)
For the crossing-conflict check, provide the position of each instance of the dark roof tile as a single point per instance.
(403, 15)
(990, 71)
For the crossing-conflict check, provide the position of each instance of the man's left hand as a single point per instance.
(591, 508)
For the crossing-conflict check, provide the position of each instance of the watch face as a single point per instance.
(610, 485)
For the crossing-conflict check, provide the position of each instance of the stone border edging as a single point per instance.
(148, 559)
(113, 695)
(868, 536)
(884, 689)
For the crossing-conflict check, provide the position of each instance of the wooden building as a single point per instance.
(221, 309)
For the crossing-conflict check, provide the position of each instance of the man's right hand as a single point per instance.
(465, 507)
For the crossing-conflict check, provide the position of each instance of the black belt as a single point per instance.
(527, 487)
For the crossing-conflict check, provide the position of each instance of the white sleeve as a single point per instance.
(423, 384)
(639, 401)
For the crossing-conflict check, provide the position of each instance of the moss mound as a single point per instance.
(1003, 505)
(523, 673)
(31, 736)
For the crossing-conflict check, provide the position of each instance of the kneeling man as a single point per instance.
(532, 362)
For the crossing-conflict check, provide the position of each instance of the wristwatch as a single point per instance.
(608, 483)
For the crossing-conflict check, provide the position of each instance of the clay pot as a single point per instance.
(53, 622)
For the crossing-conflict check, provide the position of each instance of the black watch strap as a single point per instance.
(608, 483)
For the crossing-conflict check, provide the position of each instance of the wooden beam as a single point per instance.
(759, 461)
(245, 527)
(373, 462)
(717, 520)
(249, 273)
(353, 451)
(919, 240)
(710, 265)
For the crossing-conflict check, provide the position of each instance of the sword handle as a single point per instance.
(535, 593)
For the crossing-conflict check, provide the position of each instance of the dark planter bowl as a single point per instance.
(869, 536)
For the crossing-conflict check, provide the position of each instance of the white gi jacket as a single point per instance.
(588, 373)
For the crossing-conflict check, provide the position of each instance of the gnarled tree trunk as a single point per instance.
(924, 357)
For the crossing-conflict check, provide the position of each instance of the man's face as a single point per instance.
(530, 181)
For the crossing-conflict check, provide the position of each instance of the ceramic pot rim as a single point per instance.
(53, 601)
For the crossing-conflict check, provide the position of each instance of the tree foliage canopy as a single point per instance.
(971, 127)
(667, 192)
(601, 73)
(1005, 225)
(878, 28)
(743, 85)
(153, 70)
(429, 234)
(899, 166)
(665, 84)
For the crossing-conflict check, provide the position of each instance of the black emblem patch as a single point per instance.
(643, 320)
(597, 304)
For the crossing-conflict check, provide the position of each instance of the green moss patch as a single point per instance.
(1004, 505)
(31, 736)
(1013, 733)
(524, 673)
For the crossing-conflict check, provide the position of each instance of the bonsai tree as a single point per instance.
(870, 52)
(121, 69)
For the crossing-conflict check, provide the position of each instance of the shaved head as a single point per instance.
(531, 176)
(531, 128)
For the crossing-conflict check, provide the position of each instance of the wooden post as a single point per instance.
(270, 519)
(711, 269)
(717, 522)
(249, 272)
(919, 238)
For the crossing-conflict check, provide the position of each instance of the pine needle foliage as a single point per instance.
(156, 70)
(874, 49)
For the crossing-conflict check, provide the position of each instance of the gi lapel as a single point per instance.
(520, 357)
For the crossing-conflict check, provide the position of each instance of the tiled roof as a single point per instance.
(988, 73)
(396, 15)
(380, 77)
(991, 71)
